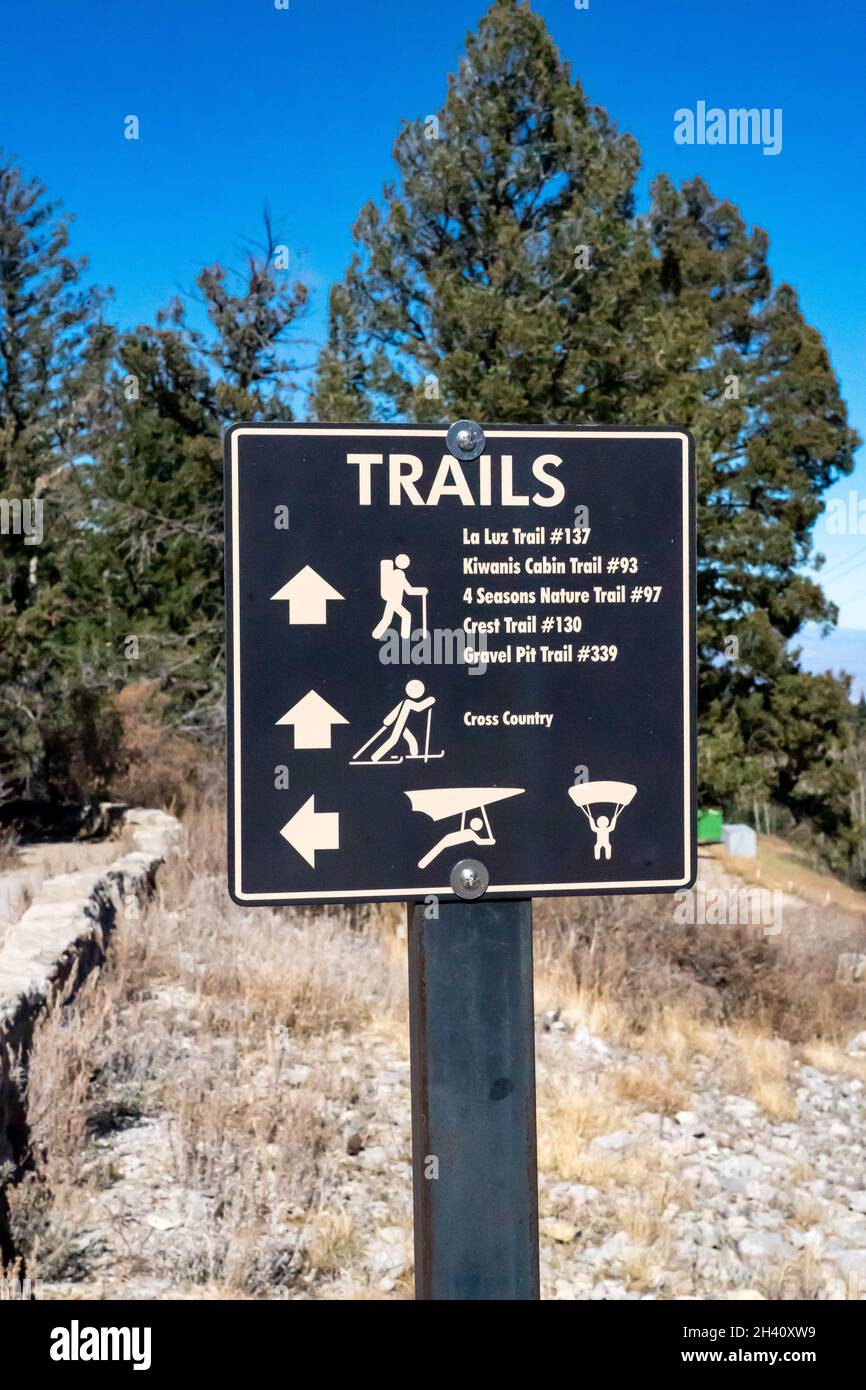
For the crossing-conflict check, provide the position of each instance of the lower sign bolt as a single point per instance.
(469, 878)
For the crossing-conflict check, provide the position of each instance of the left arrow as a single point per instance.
(312, 717)
(310, 830)
(307, 595)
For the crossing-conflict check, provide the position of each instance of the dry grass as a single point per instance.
(825, 1056)
(673, 1033)
(570, 1116)
(609, 1172)
(650, 1088)
(801, 1278)
(203, 1009)
(759, 1067)
(779, 864)
(806, 1211)
(662, 1196)
(334, 1241)
(640, 968)
(196, 1017)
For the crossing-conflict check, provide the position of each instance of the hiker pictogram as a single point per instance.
(617, 794)
(394, 588)
(396, 726)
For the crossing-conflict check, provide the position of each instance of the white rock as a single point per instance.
(618, 1139)
(581, 1193)
(616, 1246)
(763, 1245)
(374, 1156)
(161, 1223)
(583, 1037)
(394, 1235)
(705, 1233)
(554, 1229)
(850, 1262)
(741, 1107)
(739, 1170)
(851, 1229)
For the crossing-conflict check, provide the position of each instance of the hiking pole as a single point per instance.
(424, 613)
(365, 746)
(427, 739)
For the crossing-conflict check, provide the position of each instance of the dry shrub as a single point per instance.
(162, 767)
(632, 953)
(8, 849)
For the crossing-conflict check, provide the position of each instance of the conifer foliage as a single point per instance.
(507, 275)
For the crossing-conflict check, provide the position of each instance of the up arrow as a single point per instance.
(312, 717)
(309, 830)
(307, 595)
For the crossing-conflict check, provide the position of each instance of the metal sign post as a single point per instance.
(540, 584)
(473, 1101)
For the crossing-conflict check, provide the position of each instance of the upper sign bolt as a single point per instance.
(465, 440)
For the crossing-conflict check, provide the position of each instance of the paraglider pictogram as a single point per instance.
(616, 794)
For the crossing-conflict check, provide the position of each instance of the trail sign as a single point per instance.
(435, 658)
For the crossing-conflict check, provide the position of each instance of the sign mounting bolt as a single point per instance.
(469, 878)
(465, 440)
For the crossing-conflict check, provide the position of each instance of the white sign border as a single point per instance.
(445, 890)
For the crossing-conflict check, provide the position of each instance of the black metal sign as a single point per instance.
(459, 646)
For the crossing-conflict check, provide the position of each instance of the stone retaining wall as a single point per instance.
(52, 948)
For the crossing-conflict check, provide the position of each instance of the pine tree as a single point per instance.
(473, 273)
(339, 394)
(508, 267)
(156, 554)
(52, 353)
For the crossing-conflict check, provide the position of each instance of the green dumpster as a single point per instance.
(709, 827)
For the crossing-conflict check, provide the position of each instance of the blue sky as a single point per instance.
(242, 104)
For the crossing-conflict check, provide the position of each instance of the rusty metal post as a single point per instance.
(474, 1163)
